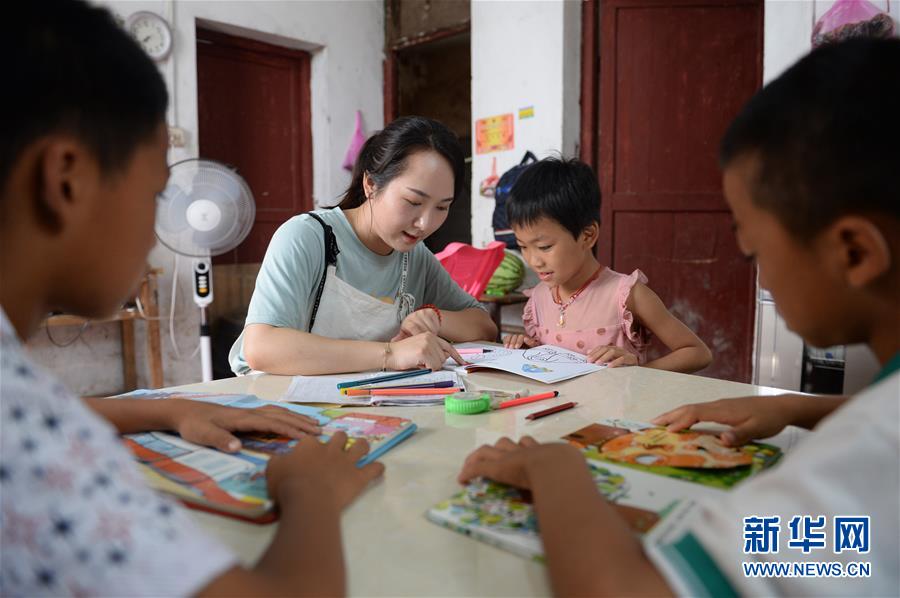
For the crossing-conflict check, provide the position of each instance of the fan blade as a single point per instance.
(171, 206)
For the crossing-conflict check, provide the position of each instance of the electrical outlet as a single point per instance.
(177, 137)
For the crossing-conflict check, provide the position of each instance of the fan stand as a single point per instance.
(203, 296)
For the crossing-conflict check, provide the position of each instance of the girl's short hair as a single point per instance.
(383, 156)
(826, 136)
(563, 190)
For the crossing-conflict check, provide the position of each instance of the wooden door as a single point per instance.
(254, 114)
(673, 73)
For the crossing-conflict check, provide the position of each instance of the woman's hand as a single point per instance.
(422, 350)
(517, 341)
(212, 425)
(419, 321)
(323, 468)
(612, 356)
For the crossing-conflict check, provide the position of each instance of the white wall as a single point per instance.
(346, 39)
(788, 29)
(524, 54)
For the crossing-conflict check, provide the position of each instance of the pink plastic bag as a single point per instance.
(470, 267)
(851, 18)
(356, 143)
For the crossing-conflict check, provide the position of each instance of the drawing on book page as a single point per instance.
(550, 354)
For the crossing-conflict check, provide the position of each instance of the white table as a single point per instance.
(392, 550)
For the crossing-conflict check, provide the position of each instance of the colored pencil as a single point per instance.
(385, 378)
(366, 389)
(550, 411)
(473, 351)
(411, 392)
(523, 400)
(367, 392)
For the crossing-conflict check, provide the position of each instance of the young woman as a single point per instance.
(353, 288)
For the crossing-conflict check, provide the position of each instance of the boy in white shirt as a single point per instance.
(82, 157)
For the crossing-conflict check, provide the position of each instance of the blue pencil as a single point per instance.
(387, 378)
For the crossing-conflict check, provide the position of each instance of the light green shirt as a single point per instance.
(295, 261)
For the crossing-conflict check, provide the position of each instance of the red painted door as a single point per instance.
(673, 74)
(254, 115)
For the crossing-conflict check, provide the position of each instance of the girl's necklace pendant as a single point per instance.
(562, 318)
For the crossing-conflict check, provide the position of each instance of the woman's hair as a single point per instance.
(383, 156)
(826, 135)
(76, 72)
(562, 190)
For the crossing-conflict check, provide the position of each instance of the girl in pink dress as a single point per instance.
(580, 304)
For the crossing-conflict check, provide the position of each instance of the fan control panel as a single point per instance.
(203, 293)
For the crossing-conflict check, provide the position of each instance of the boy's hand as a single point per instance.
(212, 425)
(419, 321)
(512, 463)
(749, 417)
(517, 341)
(612, 356)
(422, 350)
(319, 467)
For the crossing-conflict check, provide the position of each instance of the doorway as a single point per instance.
(430, 75)
(672, 75)
(253, 102)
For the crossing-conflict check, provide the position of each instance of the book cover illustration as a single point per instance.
(235, 483)
(692, 456)
(504, 516)
(646, 495)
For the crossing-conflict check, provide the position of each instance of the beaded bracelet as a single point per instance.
(436, 310)
(387, 353)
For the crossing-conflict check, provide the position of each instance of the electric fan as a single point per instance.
(207, 209)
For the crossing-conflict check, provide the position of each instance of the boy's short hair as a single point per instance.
(72, 69)
(827, 136)
(562, 190)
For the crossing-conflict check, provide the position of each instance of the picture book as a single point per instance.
(504, 516)
(682, 471)
(323, 389)
(235, 484)
(692, 456)
(546, 363)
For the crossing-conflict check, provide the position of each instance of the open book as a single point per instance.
(644, 495)
(546, 363)
(235, 484)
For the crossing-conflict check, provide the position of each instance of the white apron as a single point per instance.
(347, 313)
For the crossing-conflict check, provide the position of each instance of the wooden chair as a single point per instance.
(149, 312)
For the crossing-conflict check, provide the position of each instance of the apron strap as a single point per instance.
(406, 303)
(331, 253)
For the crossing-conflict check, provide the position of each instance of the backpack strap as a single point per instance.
(331, 253)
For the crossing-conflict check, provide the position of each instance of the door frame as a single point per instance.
(255, 47)
(391, 61)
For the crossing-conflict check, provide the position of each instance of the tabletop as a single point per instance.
(390, 547)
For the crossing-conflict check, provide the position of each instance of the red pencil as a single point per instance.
(550, 411)
(523, 400)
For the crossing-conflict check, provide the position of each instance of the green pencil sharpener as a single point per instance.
(474, 402)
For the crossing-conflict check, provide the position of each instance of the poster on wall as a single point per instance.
(494, 134)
